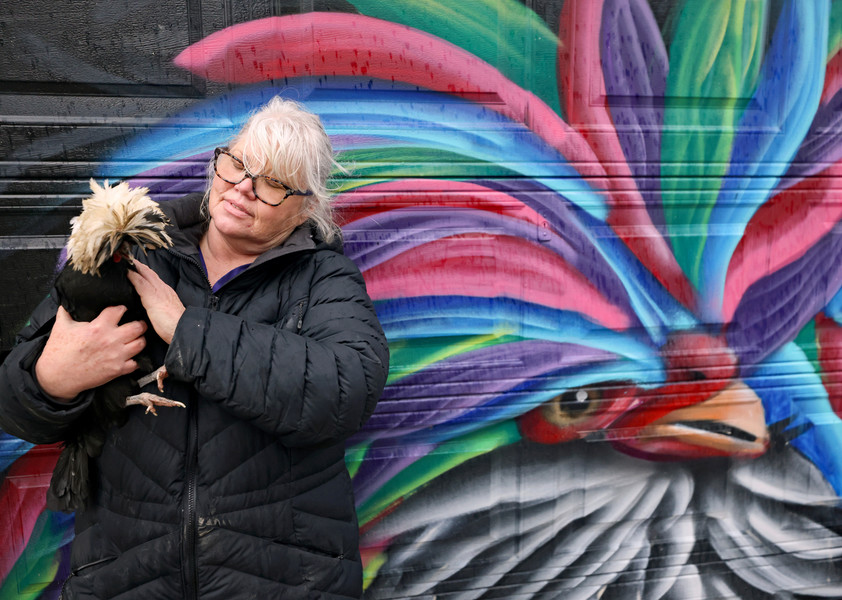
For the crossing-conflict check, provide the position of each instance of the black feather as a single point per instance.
(69, 487)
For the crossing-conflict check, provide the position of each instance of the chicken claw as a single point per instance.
(158, 375)
(150, 401)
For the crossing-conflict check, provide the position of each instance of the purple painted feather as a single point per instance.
(635, 65)
(821, 147)
(176, 178)
(774, 309)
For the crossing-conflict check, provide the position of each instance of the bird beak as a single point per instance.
(730, 423)
(125, 252)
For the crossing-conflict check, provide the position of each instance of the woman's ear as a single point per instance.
(306, 210)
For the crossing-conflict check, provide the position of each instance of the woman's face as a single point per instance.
(246, 222)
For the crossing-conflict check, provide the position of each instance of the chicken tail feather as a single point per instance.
(70, 485)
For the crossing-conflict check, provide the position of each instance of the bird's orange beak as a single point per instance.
(728, 423)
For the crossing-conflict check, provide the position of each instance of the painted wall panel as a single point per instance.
(602, 236)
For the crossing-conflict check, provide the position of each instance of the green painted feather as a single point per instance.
(354, 458)
(834, 38)
(408, 356)
(806, 340)
(396, 162)
(715, 57)
(37, 567)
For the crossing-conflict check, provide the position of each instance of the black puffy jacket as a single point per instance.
(244, 494)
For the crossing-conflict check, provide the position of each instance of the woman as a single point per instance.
(271, 341)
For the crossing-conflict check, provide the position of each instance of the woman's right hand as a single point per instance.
(79, 355)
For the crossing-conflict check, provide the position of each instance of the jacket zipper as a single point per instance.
(190, 524)
(191, 570)
(193, 262)
(300, 322)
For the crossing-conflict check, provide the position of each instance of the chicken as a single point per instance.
(99, 254)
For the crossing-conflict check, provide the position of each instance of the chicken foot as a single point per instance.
(150, 401)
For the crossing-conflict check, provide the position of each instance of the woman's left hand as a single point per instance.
(162, 304)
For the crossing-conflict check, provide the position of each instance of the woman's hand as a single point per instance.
(79, 355)
(162, 304)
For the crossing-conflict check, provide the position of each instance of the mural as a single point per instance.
(606, 252)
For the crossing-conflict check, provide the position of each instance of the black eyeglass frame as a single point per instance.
(289, 191)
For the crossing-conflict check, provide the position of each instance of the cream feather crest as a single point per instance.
(111, 218)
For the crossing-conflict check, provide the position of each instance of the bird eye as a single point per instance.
(577, 411)
(572, 405)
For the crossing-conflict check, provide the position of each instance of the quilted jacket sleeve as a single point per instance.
(318, 385)
(25, 410)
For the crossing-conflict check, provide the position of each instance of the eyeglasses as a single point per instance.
(231, 169)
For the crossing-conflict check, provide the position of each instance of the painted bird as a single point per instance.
(544, 286)
(114, 221)
(542, 289)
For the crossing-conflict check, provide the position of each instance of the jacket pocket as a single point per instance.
(81, 571)
(316, 551)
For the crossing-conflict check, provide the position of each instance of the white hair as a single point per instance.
(285, 140)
